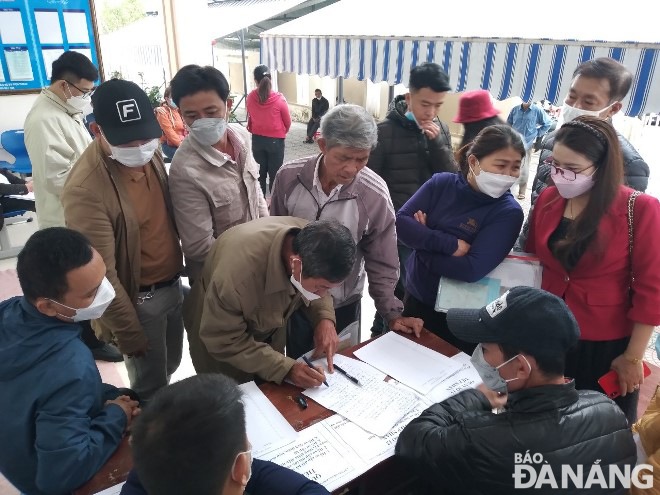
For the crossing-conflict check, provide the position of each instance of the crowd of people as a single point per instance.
(271, 279)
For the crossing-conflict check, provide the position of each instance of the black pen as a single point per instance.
(309, 363)
(350, 377)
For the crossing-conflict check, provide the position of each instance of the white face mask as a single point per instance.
(208, 131)
(569, 113)
(494, 185)
(105, 294)
(136, 156)
(307, 295)
(77, 102)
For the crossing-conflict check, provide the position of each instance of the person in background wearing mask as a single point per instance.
(170, 121)
(58, 422)
(598, 246)
(55, 137)
(268, 121)
(598, 88)
(320, 106)
(256, 275)
(412, 146)
(193, 440)
(214, 180)
(462, 225)
(460, 446)
(117, 195)
(336, 184)
(531, 122)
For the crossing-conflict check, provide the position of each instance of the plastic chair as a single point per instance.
(13, 142)
(7, 250)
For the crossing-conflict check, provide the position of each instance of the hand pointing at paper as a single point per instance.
(326, 341)
(406, 324)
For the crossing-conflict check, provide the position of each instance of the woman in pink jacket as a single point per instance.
(268, 121)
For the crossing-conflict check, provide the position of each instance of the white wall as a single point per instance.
(14, 110)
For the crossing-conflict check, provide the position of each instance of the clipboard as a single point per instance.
(516, 269)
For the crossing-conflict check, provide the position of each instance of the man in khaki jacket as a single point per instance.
(214, 179)
(255, 276)
(117, 195)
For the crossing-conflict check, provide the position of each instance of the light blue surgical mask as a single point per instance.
(307, 295)
(490, 374)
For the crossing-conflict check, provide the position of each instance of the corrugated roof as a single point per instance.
(232, 15)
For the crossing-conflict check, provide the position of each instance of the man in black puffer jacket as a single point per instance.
(460, 446)
(413, 144)
(598, 87)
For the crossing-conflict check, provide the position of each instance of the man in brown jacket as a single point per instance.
(255, 276)
(117, 196)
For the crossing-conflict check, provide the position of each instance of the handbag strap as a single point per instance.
(631, 227)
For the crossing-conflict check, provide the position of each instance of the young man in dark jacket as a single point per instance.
(547, 427)
(413, 144)
(320, 106)
(58, 422)
(191, 439)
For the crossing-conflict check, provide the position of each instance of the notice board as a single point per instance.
(33, 33)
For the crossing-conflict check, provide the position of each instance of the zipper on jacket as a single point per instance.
(319, 208)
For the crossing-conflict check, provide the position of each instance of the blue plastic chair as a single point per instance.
(13, 142)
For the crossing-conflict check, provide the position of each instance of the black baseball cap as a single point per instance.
(124, 112)
(529, 319)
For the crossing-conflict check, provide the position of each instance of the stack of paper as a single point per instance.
(374, 405)
(408, 362)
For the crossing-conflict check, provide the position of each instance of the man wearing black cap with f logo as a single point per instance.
(546, 427)
(117, 195)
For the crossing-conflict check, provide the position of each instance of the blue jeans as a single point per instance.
(168, 150)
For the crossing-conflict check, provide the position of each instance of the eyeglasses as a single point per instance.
(86, 93)
(565, 173)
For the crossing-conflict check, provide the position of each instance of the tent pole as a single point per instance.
(340, 90)
(242, 34)
(390, 93)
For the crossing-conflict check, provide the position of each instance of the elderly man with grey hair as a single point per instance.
(336, 184)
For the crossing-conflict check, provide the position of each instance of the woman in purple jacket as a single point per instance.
(461, 225)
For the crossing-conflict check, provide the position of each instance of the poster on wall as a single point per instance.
(34, 33)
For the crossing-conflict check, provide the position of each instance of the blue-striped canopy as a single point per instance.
(537, 69)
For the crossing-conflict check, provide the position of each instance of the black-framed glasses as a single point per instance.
(565, 173)
(86, 93)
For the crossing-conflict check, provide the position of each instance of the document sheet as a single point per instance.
(408, 362)
(373, 405)
(264, 423)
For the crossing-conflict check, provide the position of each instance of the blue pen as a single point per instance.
(309, 363)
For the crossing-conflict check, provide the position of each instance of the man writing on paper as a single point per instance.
(192, 440)
(336, 184)
(523, 337)
(255, 276)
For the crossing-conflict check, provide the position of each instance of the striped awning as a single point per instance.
(537, 69)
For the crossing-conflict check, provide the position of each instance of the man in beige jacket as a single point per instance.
(214, 179)
(55, 137)
(255, 276)
(117, 195)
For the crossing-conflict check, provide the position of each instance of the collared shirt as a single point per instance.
(159, 246)
(212, 192)
(319, 194)
(531, 123)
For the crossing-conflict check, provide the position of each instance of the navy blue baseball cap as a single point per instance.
(527, 318)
